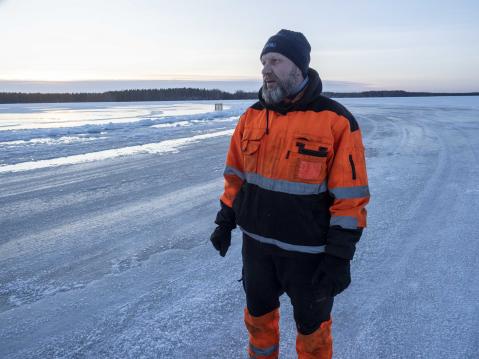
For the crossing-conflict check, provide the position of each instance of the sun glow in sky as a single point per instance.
(410, 45)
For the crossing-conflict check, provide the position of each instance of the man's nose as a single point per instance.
(266, 69)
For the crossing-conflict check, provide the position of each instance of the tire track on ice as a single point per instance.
(410, 236)
(47, 251)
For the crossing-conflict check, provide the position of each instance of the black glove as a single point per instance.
(221, 239)
(332, 276)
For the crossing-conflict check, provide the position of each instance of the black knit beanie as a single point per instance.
(291, 44)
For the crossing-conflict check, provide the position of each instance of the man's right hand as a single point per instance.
(221, 239)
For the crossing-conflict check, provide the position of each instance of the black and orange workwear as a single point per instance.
(296, 186)
(267, 276)
(295, 176)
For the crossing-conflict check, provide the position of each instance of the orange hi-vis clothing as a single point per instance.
(263, 335)
(317, 345)
(295, 175)
(264, 338)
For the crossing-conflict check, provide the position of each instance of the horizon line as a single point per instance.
(215, 89)
(228, 85)
(179, 78)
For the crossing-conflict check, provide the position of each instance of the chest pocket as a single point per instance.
(250, 145)
(309, 158)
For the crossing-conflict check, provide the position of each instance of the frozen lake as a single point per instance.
(106, 211)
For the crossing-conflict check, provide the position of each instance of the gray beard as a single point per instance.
(281, 91)
(273, 96)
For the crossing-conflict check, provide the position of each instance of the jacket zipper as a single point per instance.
(353, 168)
(267, 121)
(263, 144)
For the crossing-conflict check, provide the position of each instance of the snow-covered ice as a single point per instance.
(106, 210)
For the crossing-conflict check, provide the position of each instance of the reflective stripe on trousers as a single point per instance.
(256, 352)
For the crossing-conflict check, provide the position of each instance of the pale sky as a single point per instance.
(409, 45)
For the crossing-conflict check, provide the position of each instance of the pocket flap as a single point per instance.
(249, 146)
(254, 134)
(251, 140)
(313, 146)
(313, 138)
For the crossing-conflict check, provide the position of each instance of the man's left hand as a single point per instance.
(332, 276)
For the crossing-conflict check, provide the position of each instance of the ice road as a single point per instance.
(106, 211)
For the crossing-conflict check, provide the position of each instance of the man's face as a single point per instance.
(280, 77)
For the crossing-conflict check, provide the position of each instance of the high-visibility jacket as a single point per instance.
(295, 176)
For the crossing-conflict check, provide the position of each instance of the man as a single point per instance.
(296, 185)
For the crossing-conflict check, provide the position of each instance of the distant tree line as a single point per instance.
(169, 94)
(396, 93)
(184, 94)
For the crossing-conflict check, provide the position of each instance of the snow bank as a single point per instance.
(151, 148)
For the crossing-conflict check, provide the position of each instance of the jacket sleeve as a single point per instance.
(348, 185)
(233, 177)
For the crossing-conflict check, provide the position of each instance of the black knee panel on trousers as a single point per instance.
(267, 276)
